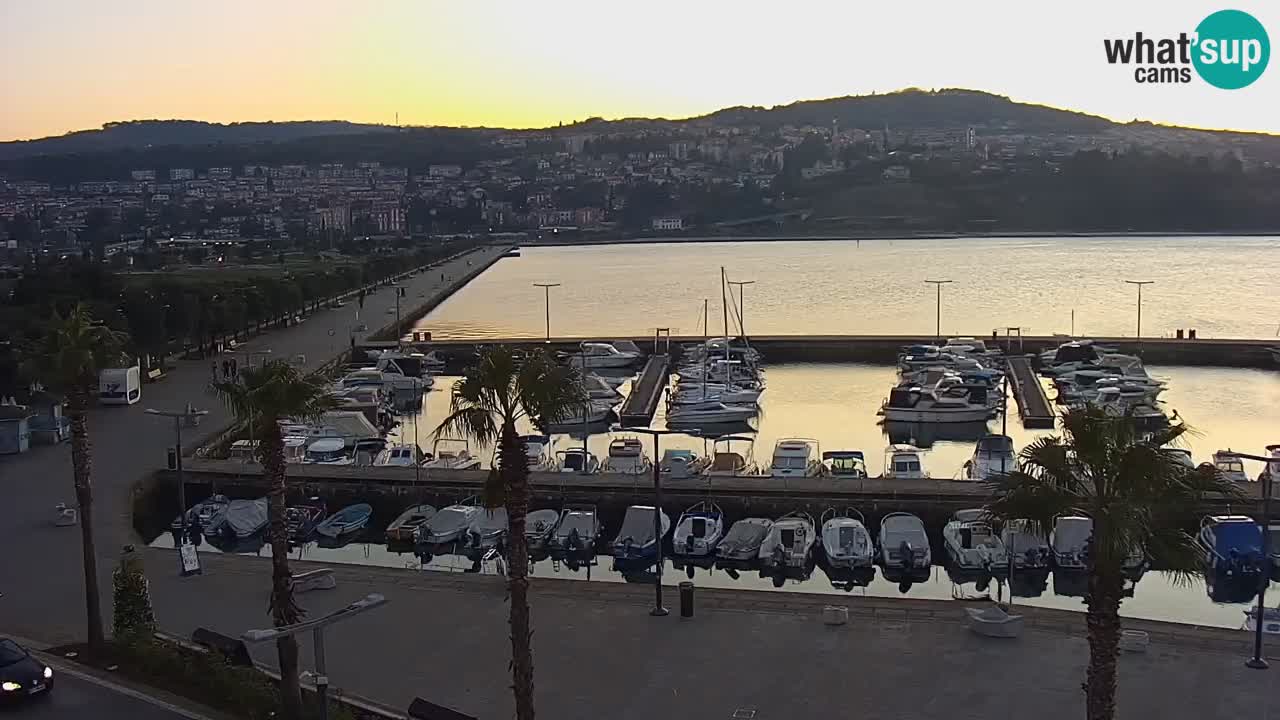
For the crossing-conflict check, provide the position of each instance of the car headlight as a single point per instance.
(10, 686)
(48, 672)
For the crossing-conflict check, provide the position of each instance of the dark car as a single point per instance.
(21, 675)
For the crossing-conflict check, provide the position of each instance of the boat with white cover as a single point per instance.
(1231, 467)
(796, 457)
(789, 543)
(728, 461)
(328, 451)
(488, 529)
(627, 457)
(1070, 540)
(245, 518)
(904, 544)
(452, 454)
(904, 462)
(447, 525)
(992, 457)
(742, 543)
(971, 544)
(846, 541)
(636, 540)
(698, 531)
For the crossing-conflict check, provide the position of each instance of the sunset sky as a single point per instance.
(75, 64)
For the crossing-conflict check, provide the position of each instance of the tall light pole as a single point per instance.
(1140, 283)
(546, 288)
(1257, 662)
(189, 415)
(658, 610)
(742, 325)
(938, 284)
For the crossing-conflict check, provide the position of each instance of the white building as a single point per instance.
(182, 174)
(444, 171)
(142, 175)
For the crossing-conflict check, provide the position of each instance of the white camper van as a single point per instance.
(120, 386)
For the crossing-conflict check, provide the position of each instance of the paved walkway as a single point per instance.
(599, 654)
(41, 586)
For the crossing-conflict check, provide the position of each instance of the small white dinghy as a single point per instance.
(698, 531)
(846, 540)
(993, 622)
(789, 543)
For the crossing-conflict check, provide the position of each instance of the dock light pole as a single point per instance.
(742, 323)
(1140, 283)
(1257, 662)
(317, 627)
(658, 610)
(546, 289)
(189, 416)
(938, 284)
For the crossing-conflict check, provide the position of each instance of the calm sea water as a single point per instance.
(1220, 286)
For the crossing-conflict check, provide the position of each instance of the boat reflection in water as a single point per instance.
(924, 435)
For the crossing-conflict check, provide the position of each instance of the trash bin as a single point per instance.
(173, 459)
(686, 599)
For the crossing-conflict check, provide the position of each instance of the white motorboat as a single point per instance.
(933, 405)
(710, 412)
(1070, 540)
(576, 460)
(452, 454)
(399, 456)
(405, 527)
(796, 457)
(447, 525)
(789, 543)
(845, 464)
(724, 372)
(698, 531)
(603, 355)
(328, 451)
(538, 452)
(588, 413)
(487, 529)
(1231, 467)
(627, 457)
(636, 539)
(992, 457)
(577, 531)
(1028, 549)
(742, 543)
(693, 393)
(971, 544)
(680, 464)
(1231, 545)
(539, 526)
(295, 449)
(846, 541)
(928, 359)
(904, 462)
(408, 364)
(1069, 354)
(597, 388)
(904, 544)
(726, 461)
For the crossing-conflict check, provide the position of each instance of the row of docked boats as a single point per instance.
(1084, 372)
(956, 382)
(221, 520)
(718, 382)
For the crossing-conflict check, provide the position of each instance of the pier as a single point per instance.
(646, 391)
(1033, 404)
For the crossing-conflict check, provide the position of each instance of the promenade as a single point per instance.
(598, 653)
(41, 585)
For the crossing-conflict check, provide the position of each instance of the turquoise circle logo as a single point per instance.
(1232, 49)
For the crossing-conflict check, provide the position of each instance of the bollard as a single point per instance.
(686, 599)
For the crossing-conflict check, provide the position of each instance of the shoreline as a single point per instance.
(556, 241)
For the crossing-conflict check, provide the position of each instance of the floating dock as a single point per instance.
(1033, 404)
(646, 391)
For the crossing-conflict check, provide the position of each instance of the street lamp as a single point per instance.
(546, 288)
(188, 416)
(1140, 283)
(1257, 662)
(658, 610)
(938, 284)
(742, 326)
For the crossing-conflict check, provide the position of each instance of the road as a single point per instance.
(41, 586)
(73, 698)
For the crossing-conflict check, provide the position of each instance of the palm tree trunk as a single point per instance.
(284, 611)
(515, 471)
(1106, 587)
(81, 465)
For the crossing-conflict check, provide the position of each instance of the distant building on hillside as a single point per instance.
(668, 223)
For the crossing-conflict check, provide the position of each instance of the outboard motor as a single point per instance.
(779, 556)
(908, 555)
(475, 538)
(688, 545)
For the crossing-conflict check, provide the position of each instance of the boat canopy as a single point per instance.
(637, 526)
(1241, 535)
(995, 445)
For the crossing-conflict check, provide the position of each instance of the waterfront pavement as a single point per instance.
(599, 654)
(41, 582)
(77, 698)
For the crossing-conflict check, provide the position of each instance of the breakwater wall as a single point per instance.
(393, 331)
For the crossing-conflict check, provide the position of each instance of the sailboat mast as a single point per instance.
(724, 303)
(705, 333)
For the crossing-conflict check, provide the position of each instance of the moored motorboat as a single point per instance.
(537, 450)
(726, 461)
(845, 464)
(698, 531)
(576, 533)
(244, 518)
(604, 355)
(971, 544)
(936, 405)
(904, 544)
(742, 543)
(845, 540)
(627, 457)
(789, 543)
(1231, 466)
(452, 454)
(328, 451)
(1231, 546)
(1028, 549)
(488, 529)
(402, 455)
(681, 464)
(300, 520)
(348, 520)
(539, 526)
(405, 527)
(1070, 542)
(992, 457)
(576, 460)
(204, 513)
(904, 462)
(796, 457)
(710, 411)
(636, 539)
(447, 525)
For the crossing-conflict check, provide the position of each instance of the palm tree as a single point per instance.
(500, 390)
(68, 360)
(1139, 496)
(267, 394)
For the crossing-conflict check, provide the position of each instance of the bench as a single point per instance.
(155, 375)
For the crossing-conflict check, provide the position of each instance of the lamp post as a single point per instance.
(546, 288)
(1140, 283)
(189, 415)
(938, 284)
(658, 610)
(1257, 662)
(742, 324)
